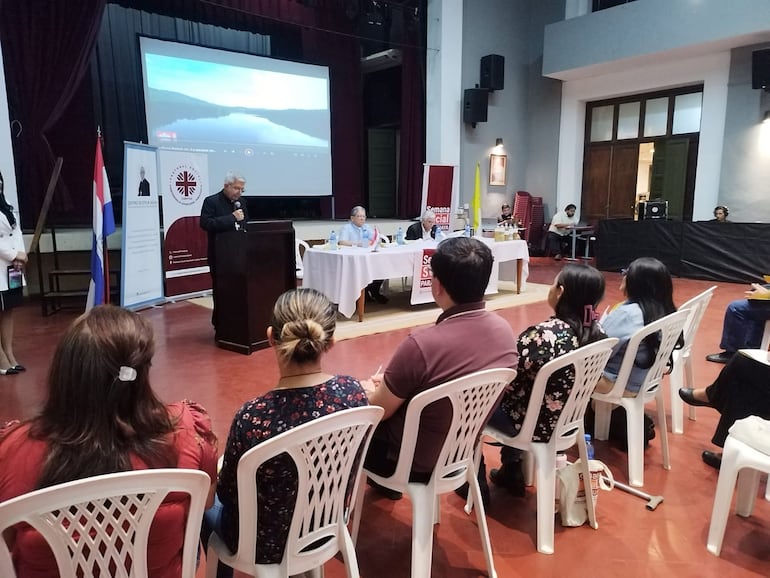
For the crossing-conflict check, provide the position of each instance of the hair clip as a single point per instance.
(589, 315)
(127, 373)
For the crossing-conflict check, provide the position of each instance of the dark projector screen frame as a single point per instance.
(265, 118)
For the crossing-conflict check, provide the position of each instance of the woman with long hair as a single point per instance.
(13, 258)
(573, 296)
(102, 416)
(301, 332)
(649, 293)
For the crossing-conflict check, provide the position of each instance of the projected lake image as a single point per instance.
(266, 118)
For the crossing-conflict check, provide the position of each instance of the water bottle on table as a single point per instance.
(333, 241)
(589, 447)
(467, 230)
(400, 236)
(365, 237)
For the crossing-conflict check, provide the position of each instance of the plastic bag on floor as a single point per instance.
(572, 500)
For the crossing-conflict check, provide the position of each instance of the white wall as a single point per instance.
(6, 150)
(712, 71)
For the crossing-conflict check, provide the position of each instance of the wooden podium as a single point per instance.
(253, 267)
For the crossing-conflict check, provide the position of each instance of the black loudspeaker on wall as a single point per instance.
(475, 105)
(760, 69)
(492, 75)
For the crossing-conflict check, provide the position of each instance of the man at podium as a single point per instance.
(223, 212)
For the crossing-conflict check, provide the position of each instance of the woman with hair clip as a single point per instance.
(13, 258)
(102, 416)
(649, 295)
(574, 296)
(301, 332)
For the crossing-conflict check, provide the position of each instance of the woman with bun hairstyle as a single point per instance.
(301, 332)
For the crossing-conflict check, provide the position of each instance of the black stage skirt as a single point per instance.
(11, 298)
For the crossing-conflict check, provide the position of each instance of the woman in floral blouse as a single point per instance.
(574, 296)
(301, 331)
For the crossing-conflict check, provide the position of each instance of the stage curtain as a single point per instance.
(412, 154)
(49, 45)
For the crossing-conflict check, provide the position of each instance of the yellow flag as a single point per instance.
(476, 202)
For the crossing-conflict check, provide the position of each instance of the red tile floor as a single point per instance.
(631, 541)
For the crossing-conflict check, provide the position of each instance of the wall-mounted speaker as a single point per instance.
(653, 210)
(492, 75)
(475, 105)
(760, 69)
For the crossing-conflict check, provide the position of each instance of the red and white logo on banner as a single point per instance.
(422, 280)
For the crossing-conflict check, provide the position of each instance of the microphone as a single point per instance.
(237, 205)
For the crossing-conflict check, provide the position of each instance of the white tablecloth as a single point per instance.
(342, 274)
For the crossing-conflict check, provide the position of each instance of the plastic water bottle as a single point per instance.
(589, 447)
(333, 241)
(365, 237)
(400, 236)
(467, 230)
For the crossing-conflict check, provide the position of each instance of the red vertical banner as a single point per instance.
(438, 193)
(422, 281)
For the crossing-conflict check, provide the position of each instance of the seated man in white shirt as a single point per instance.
(352, 235)
(426, 229)
(559, 230)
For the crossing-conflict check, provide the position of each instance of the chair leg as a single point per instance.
(590, 501)
(358, 508)
(481, 520)
(689, 379)
(722, 500)
(661, 407)
(529, 468)
(602, 416)
(348, 555)
(635, 436)
(767, 488)
(423, 504)
(675, 381)
(545, 469)
(746, 490)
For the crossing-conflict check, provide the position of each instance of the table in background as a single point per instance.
(574, 234)
(342, 275)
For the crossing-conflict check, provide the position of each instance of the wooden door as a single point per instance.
(609, 181)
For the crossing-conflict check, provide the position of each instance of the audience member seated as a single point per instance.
(352, 235)
(744, 323)
(506, 216)
(720, 214)
(741, 389)
(649, 293)
(466, 338)
(559, 230)
(426, 229)
(102, 416)
(301, 332)
(574, 296)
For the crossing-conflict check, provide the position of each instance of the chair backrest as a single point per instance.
(766, 336)
(100, 525)
(328, 453)
(472, 398)
(587, 363)
(670, 328)
(697, 307)
(298, 256)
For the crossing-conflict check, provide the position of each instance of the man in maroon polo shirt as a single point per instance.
(466, 338)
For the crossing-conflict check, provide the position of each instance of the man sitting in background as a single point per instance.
(352, 235)
(744, 323)
(559, 230)
(466, 338)
(426, 229)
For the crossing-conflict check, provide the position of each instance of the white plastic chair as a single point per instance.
(472, 398)
(100, 525)
(670, 328)
(324, 451)
(682, 372)
(742, 461)
(588, 363)
(298, 257)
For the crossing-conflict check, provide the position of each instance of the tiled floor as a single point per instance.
(630, 541)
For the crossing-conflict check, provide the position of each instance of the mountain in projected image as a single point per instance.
(191, 119)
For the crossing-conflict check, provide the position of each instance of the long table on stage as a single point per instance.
(343, 274)
(733, 252)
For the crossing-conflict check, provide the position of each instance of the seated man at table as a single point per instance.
(558, 231)
(426, 229)
(352, 235)
(744, 323)
(466, 338)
